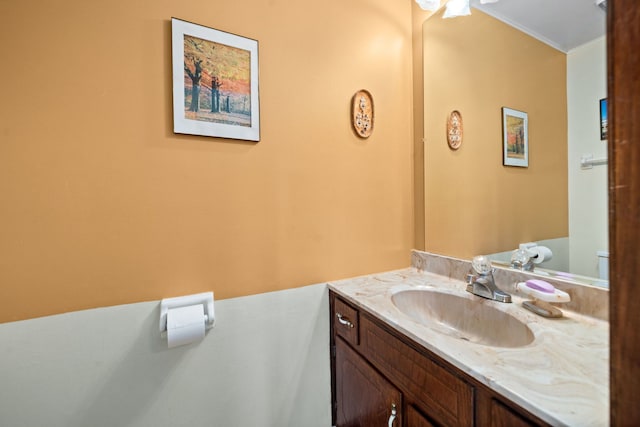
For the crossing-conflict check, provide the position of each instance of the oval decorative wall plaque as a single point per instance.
(362, 113)
(454, 130)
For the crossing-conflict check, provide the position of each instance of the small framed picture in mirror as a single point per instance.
(604, 128)
(515, 138)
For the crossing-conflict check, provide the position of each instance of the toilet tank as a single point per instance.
(603, 264)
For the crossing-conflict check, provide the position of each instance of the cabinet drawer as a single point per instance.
(442, 395)
(345, 322)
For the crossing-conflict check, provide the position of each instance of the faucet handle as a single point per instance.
(481, 264)
(519, 258)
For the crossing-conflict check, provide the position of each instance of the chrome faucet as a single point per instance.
(521, 260)
(480, 281)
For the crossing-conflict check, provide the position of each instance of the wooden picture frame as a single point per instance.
(515, 138)
(215, 82)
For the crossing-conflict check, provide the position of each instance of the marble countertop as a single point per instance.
(562, 376)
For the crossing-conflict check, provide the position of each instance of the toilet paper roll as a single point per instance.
(185, 325)
(540, 254)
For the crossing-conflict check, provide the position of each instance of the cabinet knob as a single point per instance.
(344, 320)
(392, 418)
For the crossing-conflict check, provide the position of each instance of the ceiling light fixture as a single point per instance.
(457, 8)
(431, 5)
(454, 8)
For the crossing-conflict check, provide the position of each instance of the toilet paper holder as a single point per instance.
(205, 298)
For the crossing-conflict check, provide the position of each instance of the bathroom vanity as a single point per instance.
(393, 366)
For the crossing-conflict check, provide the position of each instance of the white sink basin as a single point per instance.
(470, 319)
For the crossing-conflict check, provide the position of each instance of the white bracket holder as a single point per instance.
(588, 162)
(206, 299)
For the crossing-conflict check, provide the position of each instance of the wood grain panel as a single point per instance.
(623, 39)
(443, 395)
(365, 397)
(416, 419)
(492, 411)
(503, 416)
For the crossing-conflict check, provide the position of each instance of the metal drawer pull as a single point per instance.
(392, 418)
(344, 320)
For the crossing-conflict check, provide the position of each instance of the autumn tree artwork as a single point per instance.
(217, 82)
(515, 137)
(515, 134)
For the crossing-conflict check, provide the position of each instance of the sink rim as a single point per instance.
(518, 335)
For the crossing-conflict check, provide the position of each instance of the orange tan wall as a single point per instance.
(473, 204)
(419, 16)
(103, 204)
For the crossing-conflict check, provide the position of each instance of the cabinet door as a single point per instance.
(416, 419)
(437, 391)
(364, 397)
(494, 412)
(503, 416)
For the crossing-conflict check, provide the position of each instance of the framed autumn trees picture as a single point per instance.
(515, 138)
(215, 83)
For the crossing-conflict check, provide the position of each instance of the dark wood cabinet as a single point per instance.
(376, 369)
(415, 418)
(491, 411)
(502, 416)
(366, 397)
(442, 395)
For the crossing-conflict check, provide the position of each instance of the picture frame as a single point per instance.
(515, 138)
(215, 82)
(604, 124)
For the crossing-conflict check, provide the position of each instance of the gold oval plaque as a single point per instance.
(454, 130)
(362, 113)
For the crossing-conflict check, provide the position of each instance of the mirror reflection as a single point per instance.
(557, 204)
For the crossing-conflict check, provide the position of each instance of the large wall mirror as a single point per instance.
(477, 65)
